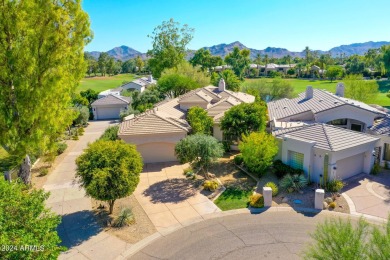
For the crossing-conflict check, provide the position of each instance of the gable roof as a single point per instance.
(322, 100)
(221, 106)
(195, 95)
(327, 137)
(111, 100)
(152, 122)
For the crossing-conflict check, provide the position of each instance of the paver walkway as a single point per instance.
(79, 230)
(168, 197)
(369, 195)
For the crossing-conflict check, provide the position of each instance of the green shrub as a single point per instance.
(43, 172)
(274, 187)
(210, 185)
(282, 169)
(187, 170)
(80, 131)
(61, 147)
(125, 217)
(293, 182)
(256, 200)
(376, 169)
(226, 146)
(332, 205)
(75, 137)
(110, 134)
(238, 159)
(334, 185)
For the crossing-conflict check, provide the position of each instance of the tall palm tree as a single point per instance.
(266, 60)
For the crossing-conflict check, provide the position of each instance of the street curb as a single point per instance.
(135, 248)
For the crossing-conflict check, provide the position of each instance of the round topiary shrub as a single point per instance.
(256, 200)
(332, 205)
(274, 187)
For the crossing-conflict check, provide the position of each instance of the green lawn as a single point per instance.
(301, 84)
(233, 198)
(103, 83)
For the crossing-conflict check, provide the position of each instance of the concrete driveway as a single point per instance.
(369, 195)
(168, 197)
(79, 230)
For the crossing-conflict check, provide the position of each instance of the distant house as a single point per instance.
(281, 68)
(109, 107)
(115, 91)
(352, 134)
(157, 131)
(140, 84)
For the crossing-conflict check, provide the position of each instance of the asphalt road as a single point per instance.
(269, 235)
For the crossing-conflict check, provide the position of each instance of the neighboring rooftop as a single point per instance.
(321, 100)
(111, 100)
(381, 126)
(327, 137)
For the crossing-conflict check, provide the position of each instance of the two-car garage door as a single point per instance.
(157, 152)
(108, 112)
(350, 166)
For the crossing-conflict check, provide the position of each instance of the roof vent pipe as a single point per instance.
(340, 89)
(309, 92)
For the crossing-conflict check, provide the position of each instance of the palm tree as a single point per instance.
(266, 60)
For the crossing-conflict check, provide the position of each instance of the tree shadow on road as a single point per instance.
(78, 227)
(170, 191)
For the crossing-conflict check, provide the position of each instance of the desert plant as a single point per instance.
(273, 186)
(376, 169)
(125, 217)
(293, 182)
(61, 147)
(334, 185)
(210, 185)
(238, 160)
(256, 200)
(75, 137)
(44, 172)
(80, 131)
(281, 169)
(188, 170)
(332, 205)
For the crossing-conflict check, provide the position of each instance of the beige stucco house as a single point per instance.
(318, 122)
(109, 107)
(157, 131)
(140, 84)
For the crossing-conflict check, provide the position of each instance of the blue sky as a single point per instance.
(291, 24)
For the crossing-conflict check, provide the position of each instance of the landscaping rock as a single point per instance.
(285, 200)
(325, 205)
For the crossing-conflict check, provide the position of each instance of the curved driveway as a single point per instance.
(269, 235)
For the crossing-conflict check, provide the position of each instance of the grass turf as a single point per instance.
(100, 84)
(233, 198)
(300, 85)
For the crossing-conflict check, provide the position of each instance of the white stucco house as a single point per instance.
(140, 84)
(352, 134)
(115, 91)
(156, 132)
(109, 107)
(326, 151)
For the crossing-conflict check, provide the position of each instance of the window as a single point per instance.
(386, 152)
(338, 122)
(295, 160)
(356, 127)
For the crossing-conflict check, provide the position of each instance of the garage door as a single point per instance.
(108, 112)
(350, 166)
(157, 152)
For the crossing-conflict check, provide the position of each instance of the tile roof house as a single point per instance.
(114, 91)
(109, 107)
(341, 128)
(322, 149)
(140, 84)
(157, 131)
(381, 128)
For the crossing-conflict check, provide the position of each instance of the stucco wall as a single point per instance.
(217, 132)
(132, 85)
(143, 139)
(346, 112)
(188, 105)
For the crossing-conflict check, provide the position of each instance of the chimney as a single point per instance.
(309, 92)
(221, 85)
(150, 78)
(340, 89)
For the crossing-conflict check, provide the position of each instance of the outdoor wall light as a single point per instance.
(334, 168)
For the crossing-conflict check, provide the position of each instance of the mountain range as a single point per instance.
(124, 53)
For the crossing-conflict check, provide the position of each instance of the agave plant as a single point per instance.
(293, 182)
(125, 217)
